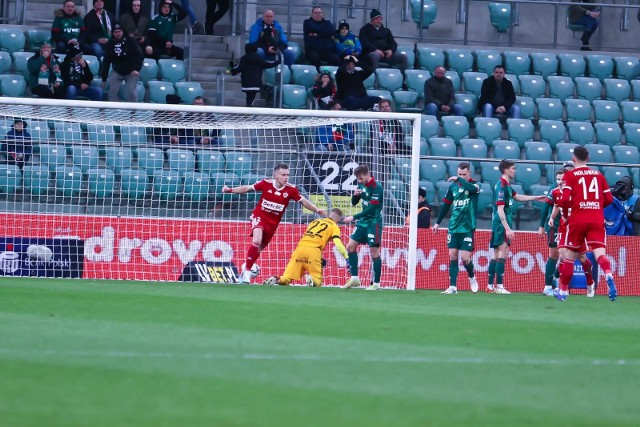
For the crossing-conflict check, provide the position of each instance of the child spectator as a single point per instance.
(324, 91)
(161, 30)
(346, 42)
(335, 137)
(17, 146)
(251, 66)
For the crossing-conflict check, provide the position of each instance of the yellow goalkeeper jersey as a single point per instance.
(318, 234)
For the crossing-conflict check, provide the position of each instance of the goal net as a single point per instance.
(134, 191)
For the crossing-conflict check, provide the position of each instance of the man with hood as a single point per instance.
(136, 25)
(77, 76)
(67, 28)
(378, 43)
(124, 55)
(161, 29)
(350, 83)
(98, 23)
(45, 78)
(251, 66)
(268, 35)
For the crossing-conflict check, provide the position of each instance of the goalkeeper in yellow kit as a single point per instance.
(307, 257)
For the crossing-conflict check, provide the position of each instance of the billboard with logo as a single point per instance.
(41, 257)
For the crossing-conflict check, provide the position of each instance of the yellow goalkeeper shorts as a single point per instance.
(303, 260)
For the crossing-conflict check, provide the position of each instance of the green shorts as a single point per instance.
(460, 241)
(552, 235)
(371, 235)
(498, 236)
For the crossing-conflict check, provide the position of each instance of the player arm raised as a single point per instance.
(241, 189)
(313, 208)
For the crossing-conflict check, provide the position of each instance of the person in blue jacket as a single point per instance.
(346, 42)
(269, 36)
(619, 216)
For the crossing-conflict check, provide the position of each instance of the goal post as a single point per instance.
(133, 190)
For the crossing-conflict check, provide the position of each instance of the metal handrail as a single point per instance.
(220, 95)
(278, 81)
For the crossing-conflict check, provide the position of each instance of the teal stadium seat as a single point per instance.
(578, 110)
(20, 63)
(455, 79)
(407, 49)
(15, 87)
(490, 173)
(385, 94)
(632, 134)
(580, 132)
(269, 75)
(572, 65)
(84, 157)
(473, 148)
(500, 16)
(456, 127)
(196, 186)
(614, 173)
(101, 134)
(118, 158)
(158, 91)
(600, 66)
(487, 60)
(101, 182)
(5, 62)
(544, 64)
(370, 82)
(93, 63)
(430, 189)
(517, 63)
(181, 161)
(406, 101)
(140, 91)
(5, 126)
(239, 162)
(219, 180)
(37, 38)
(166, 184)
(630, 111)
(627, 67)
(538, 150)
(430, 126)
(442, 147)
(210, 161)
(606, 111)
(485, 198)
(36, 179)
(295, 48)
(549, 109)
(459, 60)
(527, 107)
(564, 151)
(12, 40)
(608, 133)
(423, 13)
(10, 179)
(514, 81)
(294, 97)
(67, 132)
(403, 167)
(134, 183)
(188, 91)
(452, 169)
(617, 90)
(588, 88)
(468, 102)
(150, 159)
(472, 82)
(172, 70)
(429, 57)
(532, 86)
(304, 75)
(599, 153)
(628, 154)
(133, 135)
(503, 149)
(527, 175)
(488, 129)
(389, 79)
(68, 180)
(635, 89)
(398, 191)
(39, 130)
(149, 70)
(432, 170)
(250, 179)
(520, 131)
(539, 190)
(52, 155)
(414, 80)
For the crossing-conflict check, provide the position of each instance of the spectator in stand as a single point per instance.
(498, 96)
(168, 136)
(202, 136)
(45, 79)
(588, 17)
(324, 91)
(424, 210)
(161, 30)
(619, 215)
(388, 132)
(350, 83)
(251, 66)
(135, 24)
(335, 137)
(378, 43)
(216, 9)
(98, 23)
(196, 27)
(269, 37)
(124, 56)
(77, 76)
(439, 96)
(17, 145)
(346, 42)
(318, 39)
(67, 28)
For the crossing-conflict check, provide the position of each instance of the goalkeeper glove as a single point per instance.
(323, 263)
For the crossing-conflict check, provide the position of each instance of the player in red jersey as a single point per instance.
(585, 193)
(276, 194)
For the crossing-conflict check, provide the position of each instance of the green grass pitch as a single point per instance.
(86, 353)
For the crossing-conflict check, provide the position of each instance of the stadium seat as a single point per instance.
(133, 135)
(599, 153)
(635, 89)
(150, 159)
(68, 180)
(389, 79)
(442, 187)
(295, 48)
(210, 161)
(67, 132)
(488, 129)
(36, 179)
(486, 60)
(500, 16)
(561, 87)
(614, 173)
(537, 150)
(430, 126)
(134, 183)
(627, 67)
(294, 97)
(100, 182)
(149, 70)
(5, 126)
(380, 93)
(181, 161)
(430, 189)
(549, 108)
(84, 157)
(304, 75)
(617, 90)
(37, 38)
(544, 64)
(52, 155)
(269, 75)
(406, 101)
(166, 184)
(20, 63)
(407, 49)
(578, 110)
(490, 173)
(370, 82)
(630, 111)
(572, 65)
(485, 198)
(172, 70)
(442, 147)
(403, 167)
(503, 149)
(628, 154)
(10, 179)
(538, 190)
(196, 186)
(15, 87)
(459, 60)
(118, 158)
(632, 134)
(5, 62)
(520, 130)
(452, 168)
(527, 175)
(414, 80)
(456, 127)
(39, 130)
(455, 79)
(12, 40)
(219, 180)
(468, 102)
(188, 91)
(93, 63)
(564, 151)
(101, 134)
(158, 91)
(399, 191)
(239, 162)
(527, 107)
(514, 81)
(588, 88)
(473, 148)
(606, 111)
(432, 170)
(532, 86)
(517, 63)
(600, 66)
(429, 57)
(140, 91)
(473, 82)
(580, 132)
(608, 133)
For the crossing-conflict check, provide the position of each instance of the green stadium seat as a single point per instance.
(503, 149)
(472, 82)
(67, 132)
(188, 91)
(5, 62)
(636, 178)
(600, 66)
(517, 188)
(578, 110)
(172, 70)
(632, 134)
(101, 182)
(486, 60)
(580, 132)
(500, 16)
(269, 75)
(452, 168)
(210, 161)
(239, 162)
(196, 186)
(538, 190)
(12, 40)
(20, 63)
(614, 173)
(150, 159)
(68, 180)
(430, 126)
(407, 49)
(149, 70)
(85, 157)
(166, 184)
(544, 64)
(37, 38)
(609, 134)
(488, 129)
(406, 101)
(219, 180)
(53, 155)
(15, 87)
(158, 91)
(630, 111)
(514, 81)
(10, 179)
(572, 65)
(459, 60)
(403, 167)
(626, 154)
(442, 147)
(537, 150)
(485, 198)
(101, 134)
(549, 108)
(304, 75)
(617, 90)
(133, 135)
(389, 79)
(39, 130)
(429, 57)
(134, 183)
(473, 148)
(294, 97)
(456, 127)
(118, 158)
(564, 151)
(414, 80)
(520, 131)
(468, 102)
(36, 179)
(627, 67)
(432, 170)
(423, 13)
(527, 107)
(455, 79)
(561, 87)
(527, 175)
(490, 173)
(181, 161)
(517, 63)
(606, 111)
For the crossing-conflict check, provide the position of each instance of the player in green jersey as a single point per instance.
(501, 222)
(462, 197)
(368, 226)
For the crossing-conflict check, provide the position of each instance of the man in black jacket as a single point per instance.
(498, 96)
(439, 96)
(350, 82)
(378, 43)
(77, 76)
(318, 39)
(98, 23)
(125, 56)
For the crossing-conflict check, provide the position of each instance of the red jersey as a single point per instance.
(556, 196)
(273, 202)
(586, 193)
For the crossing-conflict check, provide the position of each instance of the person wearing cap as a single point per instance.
(136, 24)
(161, 29)
(45, 78)
(269, 36)
(124, 56)
(77, 76)
(324, 90)
(350, 83)
(378, 43)
(318, 39)
(424, 210)
(619, 215)
(346, 43)
(98, 23)
(67, 28)
(17, 144)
